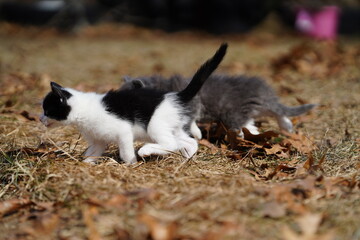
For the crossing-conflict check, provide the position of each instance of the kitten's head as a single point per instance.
(55, 106)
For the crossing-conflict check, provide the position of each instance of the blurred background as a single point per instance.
(316, 18)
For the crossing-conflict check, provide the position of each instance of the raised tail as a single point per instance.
(298, 110)
(202, 74)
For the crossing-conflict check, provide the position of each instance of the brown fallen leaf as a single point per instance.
(303, 169)
(185, 201)
(273, 209)
(48, 206)
(283, 168)
(289, 234)
(143, 193)
(277, 150)
(119, 200)
(301, 100)
(266, 143)
(227, 231)
(10, 206)
(121, 234)
(237, 143)
(43, 149)
(18, 82)
(309, 162)
(159, 229)
(286, 90)
(233, 139)
(258, 138)
(44, 225)
(292, 195)
(339, 185)
(212, 147)
(27, 116)
(89, 212)
(309, 224)
(317, 59)
(212, 130)
(309, 167)
(45, 80)
(300, 142)
(19, 115)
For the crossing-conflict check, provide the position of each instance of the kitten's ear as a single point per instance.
(127, 79)
(57, 89)
(137, 83)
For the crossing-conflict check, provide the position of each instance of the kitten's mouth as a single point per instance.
(48, 124)
(46, 121)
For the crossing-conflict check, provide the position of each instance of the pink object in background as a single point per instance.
(321, 24)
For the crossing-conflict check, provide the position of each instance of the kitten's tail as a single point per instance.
(296, 111)
(202, 74)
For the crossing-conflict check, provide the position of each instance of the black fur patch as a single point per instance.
(134, 105)
(56, 106)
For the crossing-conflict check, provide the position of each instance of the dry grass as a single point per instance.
(210, 196)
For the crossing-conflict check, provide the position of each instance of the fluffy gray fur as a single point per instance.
(234, 100)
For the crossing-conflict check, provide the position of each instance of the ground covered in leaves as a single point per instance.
(304, 185)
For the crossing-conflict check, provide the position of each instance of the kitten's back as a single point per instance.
(242, 94)
(134, 105)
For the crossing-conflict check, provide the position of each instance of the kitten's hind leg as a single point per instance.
(165, 144)
(284, 123)
(166, 130)
(239, 122)
(162, 130)
(187, 146)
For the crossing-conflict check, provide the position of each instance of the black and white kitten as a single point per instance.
(123, 116)
(234, 100)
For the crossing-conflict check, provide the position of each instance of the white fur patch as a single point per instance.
(249, 125)
(195, 130)
(284, 123)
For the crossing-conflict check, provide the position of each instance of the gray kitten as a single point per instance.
(234, 100)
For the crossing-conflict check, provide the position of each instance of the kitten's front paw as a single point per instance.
(190, 147)
(90, 160)
(129, 159)
(188, 152)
